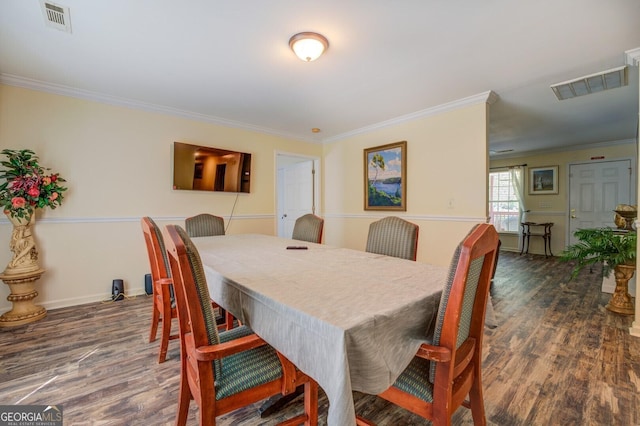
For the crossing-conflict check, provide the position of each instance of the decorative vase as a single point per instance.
(621, 299)
(23, 246)
(628, 218)
(20, 275)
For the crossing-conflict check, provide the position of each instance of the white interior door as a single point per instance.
(295, 193)
(595, 189)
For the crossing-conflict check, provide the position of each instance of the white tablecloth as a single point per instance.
(351, 320)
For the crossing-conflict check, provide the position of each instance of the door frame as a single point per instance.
(633, 186)
(281, 159)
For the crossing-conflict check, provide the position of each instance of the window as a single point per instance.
(504, 199)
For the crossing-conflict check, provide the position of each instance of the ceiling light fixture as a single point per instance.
(605, 80)
(308, 46)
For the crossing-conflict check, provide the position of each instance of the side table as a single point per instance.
(545, 233)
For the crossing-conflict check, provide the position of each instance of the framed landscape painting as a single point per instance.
(385, 172)
(543, 180)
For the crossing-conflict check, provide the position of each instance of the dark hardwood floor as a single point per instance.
(557, 357)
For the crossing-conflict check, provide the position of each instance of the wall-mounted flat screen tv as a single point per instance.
(203, 168)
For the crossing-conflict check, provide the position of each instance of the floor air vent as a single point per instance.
(56, 16)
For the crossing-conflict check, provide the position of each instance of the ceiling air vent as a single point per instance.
(500, 151)
(56, 16)
(605, 80)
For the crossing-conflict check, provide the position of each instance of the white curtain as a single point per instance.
(518, 188)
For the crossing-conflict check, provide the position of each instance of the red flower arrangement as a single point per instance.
(27, 186)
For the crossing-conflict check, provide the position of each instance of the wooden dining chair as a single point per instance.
(204, 225)
(208, 225)
(164, 309)
(308, 228)
(393, 236)
(224, 371)
(447, 368)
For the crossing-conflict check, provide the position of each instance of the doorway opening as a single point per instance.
(297, 190)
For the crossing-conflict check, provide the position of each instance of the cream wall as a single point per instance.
(117, 162)
(118, 165)
(446, 181)
(553, 208)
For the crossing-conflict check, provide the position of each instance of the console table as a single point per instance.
(532, 229)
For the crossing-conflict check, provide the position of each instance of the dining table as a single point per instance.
(350, 319)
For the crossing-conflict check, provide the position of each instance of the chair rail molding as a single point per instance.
(4, 221)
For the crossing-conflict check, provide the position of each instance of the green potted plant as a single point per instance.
(616, 251)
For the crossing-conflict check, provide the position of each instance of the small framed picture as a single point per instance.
(385, 177)
(543, 180)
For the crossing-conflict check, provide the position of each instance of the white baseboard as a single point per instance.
(75, 301)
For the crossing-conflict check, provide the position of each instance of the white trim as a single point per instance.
(69, 220)
(75, 301)
(545, 213)
(488, 97)
(317, 182)
(632, 57)
(59, 89)
(409, 217)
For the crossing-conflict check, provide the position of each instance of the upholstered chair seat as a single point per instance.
(247, 369)
(412, 380)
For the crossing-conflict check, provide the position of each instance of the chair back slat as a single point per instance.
(393, 236)
(204, 225)
(308, 228)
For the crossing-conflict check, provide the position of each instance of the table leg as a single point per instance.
(525, 242)
(544, 237)
(278, 402)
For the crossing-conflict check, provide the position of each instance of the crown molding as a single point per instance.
(488, 97)
(632, 57)
(72, 92)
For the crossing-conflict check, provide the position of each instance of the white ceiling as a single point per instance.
(229, 62)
